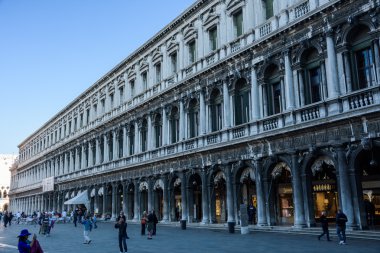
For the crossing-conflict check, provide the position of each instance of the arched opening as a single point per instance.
(241, 99)
(273, 91)
(219, 198)
(281, 194)
(131, 201)
(367, 165)
(159, 199)
(246, 186)
(119, 199)
(193, 118)
(324, 187)
(195, 198)
(158, 131)
(143, 197)
(312, 76)
(361, 58)
(216, 110)
(175, 199)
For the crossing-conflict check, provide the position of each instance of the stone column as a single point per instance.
(114, 201)
(71, 166)
(230, 198)
(66, 164)
(136, 210)
(181, 120)
(344, 187)
(106, 148)
(261, 213)
(255, 107)
(150, 135)
(90, 154)
(97, 150)
(205, 201)
(226, 106)
(150, 194)
(84, 148)
(125, 141)
(184, 197)
(125, 199)
(164, 127)
(347, 67)
(115, 136)
(104, 200)
(299, 215)
(137, 147)
(77, 166)
(96, 199)
(289, 90)
(332, 71)
(202, 108)
(165, 208)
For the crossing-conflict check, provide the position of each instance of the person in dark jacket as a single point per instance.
(341, 220)
(325, 226)
(122, 216)
(155, 221)
(122, 226)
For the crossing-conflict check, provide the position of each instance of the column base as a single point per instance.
(244, 230)
(231, 227)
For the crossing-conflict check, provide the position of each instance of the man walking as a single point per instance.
(341, 220)
(325, 226)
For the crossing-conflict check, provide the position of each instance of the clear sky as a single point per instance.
(53, 50)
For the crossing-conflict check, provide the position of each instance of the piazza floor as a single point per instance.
(66, 238)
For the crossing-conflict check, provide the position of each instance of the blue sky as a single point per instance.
(53, 50)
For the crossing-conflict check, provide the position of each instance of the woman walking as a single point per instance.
(143, 223)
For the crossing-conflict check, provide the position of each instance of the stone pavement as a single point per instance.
(65, 238)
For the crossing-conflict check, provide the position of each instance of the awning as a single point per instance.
(92, 194)
(100, 192)
(81, 198)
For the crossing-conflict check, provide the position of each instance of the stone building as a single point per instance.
(6, 162)
(274, 103)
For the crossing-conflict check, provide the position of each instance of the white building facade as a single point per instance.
(274, 103)
(7, 161)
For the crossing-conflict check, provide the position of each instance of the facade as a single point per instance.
(273, 103)
(6, 162)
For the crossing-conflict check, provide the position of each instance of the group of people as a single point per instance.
(341, 220)
(7, 218)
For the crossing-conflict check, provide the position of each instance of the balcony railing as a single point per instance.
(301, 9)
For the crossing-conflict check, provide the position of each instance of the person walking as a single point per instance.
(325, 226)
(5, 218)
(155, 221)
(341, 220)
(150, 221)
(122, 226)
(143, 223)
(75, 217)
(87, 226)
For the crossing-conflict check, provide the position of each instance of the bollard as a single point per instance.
(183, 224)
(231, 227)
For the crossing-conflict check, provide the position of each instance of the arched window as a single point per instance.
(5, 195)
(193, 117)
(241, 102)
(158, 131)
(174, 125)
(144, 135)
(273, 91)
(216, 100)
(362, 58)
(312, 76)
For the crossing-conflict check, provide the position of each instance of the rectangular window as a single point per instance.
(69, 126)
(268, 8)
(75, 124)
(87, 116)
(64, 131)
(144, 77)
(192, 52)
(315, 82)
(121, 92)
(364, 68)
(173, 60)
(81, 120)
(213, 38)
(158, 72)
(238, 23)
(95, 110)
(111, 101)
(103, 105)
(132, 84)
(60, 133)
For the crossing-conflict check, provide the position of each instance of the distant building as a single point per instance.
(6, 162)
(274, 103)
